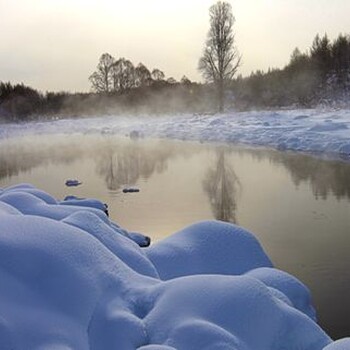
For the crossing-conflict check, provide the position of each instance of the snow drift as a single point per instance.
(72, 279)
(317, 131)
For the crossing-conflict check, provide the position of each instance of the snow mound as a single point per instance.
(343, 344)
(77, 281)
(209, 247)
(84, 202)
(297, 293)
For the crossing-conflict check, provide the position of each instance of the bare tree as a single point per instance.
(221, 58)
(101, 79)
(143, 75)
(157, 75)
(171, 81)
(123, 72)
(185, 80)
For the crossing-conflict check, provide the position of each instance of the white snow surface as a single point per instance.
(311, 130)
(70, 279)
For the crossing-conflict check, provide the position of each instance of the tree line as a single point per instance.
(319, 76)
(118, 87)
(22, 103)
(120, 75)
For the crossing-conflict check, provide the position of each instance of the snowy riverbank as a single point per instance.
(72, 279)
(316, 131)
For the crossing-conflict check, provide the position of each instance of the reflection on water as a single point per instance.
(221, 184)
(125, 164)
(298, 206)
(122, 161)
(21, 155)
(325, 177)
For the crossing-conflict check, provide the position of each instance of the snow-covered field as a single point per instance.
(70, 279)
(316, 131)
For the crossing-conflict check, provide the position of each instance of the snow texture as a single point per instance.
(325, 132)
(72, 279)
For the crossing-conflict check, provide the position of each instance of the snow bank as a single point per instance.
(343, 344)
(72, 279)
(311, 130)
(233, 251)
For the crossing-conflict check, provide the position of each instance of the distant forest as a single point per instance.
(320, 76)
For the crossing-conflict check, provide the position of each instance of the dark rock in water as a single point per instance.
(71, 183)
(131, 190)
(71, 198)
(106, 209)
(147, 242)
(142, 240)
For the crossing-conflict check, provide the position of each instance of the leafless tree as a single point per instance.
(185, 80)
(143, 75)
(171, 81)
(101, 79)
(221, 58)
(121, 75)
(157, 75)
(124, 76)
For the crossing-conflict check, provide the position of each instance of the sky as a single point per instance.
(55, 44)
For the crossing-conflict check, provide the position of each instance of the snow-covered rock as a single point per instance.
(73, 183)
(211, 247)
(71, 279)
(84, 202)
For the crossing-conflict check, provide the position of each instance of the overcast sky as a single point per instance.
(56, 44)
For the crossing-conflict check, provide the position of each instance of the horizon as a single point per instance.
(55, 45)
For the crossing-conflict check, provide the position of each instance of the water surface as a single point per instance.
(298, 206)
